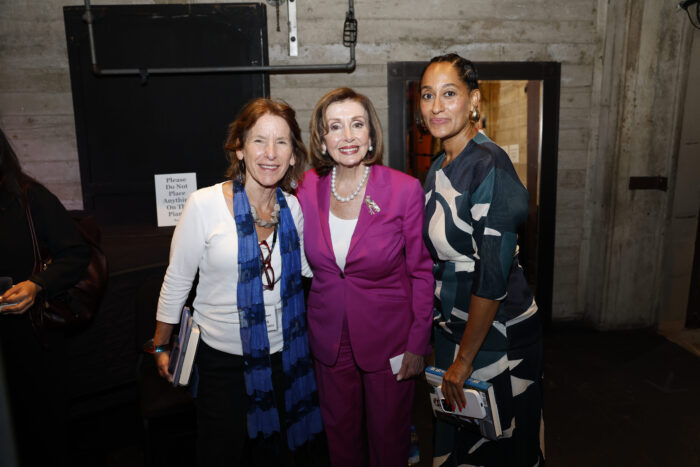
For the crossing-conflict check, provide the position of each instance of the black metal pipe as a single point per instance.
(144, 72)
(88, 19)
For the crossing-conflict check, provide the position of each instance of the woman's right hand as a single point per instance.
(163, 362)
(19, 298)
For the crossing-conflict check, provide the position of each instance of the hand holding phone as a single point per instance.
(474, 408)
(5, 285)
(19, 298)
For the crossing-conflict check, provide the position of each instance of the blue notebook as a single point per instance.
(184, 349)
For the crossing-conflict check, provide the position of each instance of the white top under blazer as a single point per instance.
(341, 235)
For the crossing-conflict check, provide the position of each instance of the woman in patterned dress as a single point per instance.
(486, 325)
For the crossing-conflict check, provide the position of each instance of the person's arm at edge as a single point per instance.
(19, 298)
(420, 270)
(55, 228)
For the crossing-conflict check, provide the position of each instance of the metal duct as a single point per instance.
(349, 40)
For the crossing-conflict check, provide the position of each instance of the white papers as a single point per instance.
(513, 151)
(395, 363)
(172, 191)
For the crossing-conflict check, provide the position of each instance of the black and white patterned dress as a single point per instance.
(474, 206)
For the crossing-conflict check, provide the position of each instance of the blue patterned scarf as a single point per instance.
(303, 419)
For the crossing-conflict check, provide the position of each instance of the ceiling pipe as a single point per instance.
(349, 40)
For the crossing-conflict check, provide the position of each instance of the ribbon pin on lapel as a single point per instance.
(372, 206)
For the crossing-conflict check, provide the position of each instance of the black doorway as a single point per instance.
(129, 128)
(541, 76)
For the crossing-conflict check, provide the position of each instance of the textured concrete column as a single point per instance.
(685, 203)
(641, 79)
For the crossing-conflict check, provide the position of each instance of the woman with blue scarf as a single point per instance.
(256, 400)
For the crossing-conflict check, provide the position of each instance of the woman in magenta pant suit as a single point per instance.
(372, 292)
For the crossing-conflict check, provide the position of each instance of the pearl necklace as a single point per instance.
(274, 217)
(345, 199)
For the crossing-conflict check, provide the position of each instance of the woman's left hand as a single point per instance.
(21, 297)
(481, 314)
(411, 366)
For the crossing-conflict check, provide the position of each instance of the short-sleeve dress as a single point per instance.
(474, 206)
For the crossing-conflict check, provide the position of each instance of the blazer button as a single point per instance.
(342, 276)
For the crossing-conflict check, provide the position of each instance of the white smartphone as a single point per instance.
(474, 407)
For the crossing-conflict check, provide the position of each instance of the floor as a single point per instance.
(689, 339)
(620, 398)
(611, 399)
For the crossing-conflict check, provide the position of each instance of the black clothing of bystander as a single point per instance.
(35, 367)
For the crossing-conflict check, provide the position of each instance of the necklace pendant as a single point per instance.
(274, 217)
(372, 206)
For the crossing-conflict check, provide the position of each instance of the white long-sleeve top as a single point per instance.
(206, 238)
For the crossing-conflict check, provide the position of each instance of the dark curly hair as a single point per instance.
(12, 179)
(465, 69)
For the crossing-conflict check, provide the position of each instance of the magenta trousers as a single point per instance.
(352, 399)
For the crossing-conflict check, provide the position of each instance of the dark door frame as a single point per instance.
(692, 320)
(400, 74)
(129, 128)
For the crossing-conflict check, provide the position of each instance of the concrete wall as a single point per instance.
(36, 108)
(637, 102)
(620, 61)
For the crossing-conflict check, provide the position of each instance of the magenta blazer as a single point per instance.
(386, 290)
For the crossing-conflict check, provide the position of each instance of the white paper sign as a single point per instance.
(395, 363)
(172, 191)
(513, 151)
